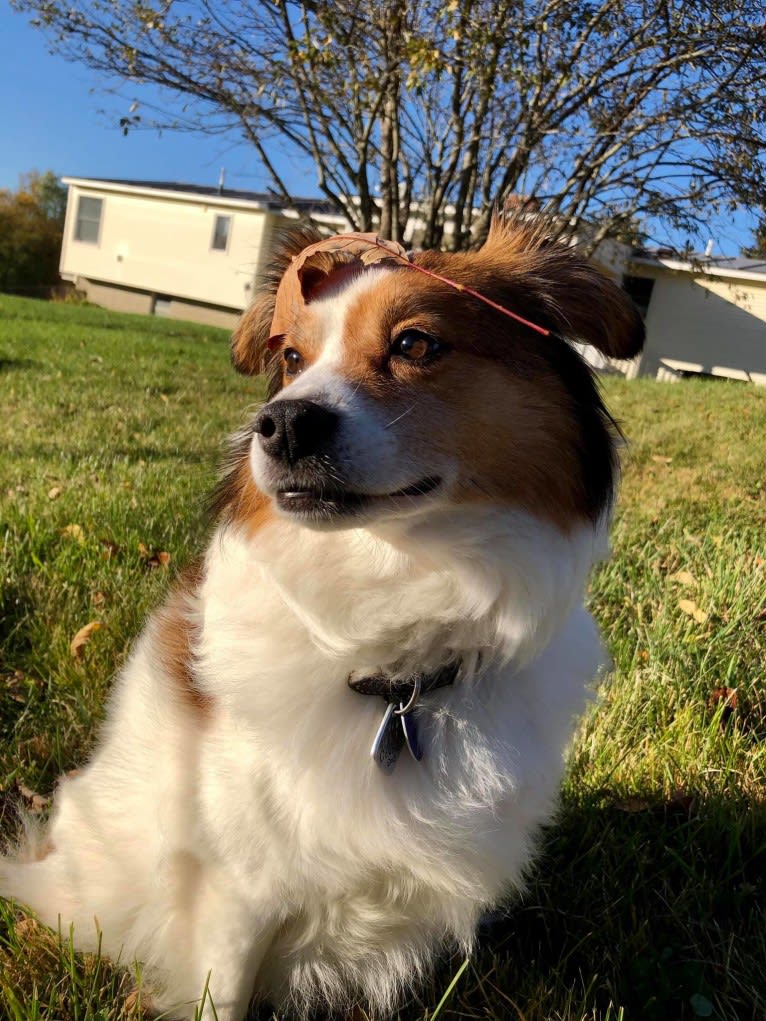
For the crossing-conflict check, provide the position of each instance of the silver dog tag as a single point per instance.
(410, 728)
(389, 740)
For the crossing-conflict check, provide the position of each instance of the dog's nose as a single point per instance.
(290, 430)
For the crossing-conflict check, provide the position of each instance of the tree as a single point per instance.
(758, 248)
(429, 111)
(31, 230)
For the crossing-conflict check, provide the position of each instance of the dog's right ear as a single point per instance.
(249, 351)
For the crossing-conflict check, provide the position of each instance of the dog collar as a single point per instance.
(399, 726)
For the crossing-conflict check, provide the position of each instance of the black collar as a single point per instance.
(403, 690)
(399, 726)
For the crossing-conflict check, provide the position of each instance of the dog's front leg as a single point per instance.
(227, 934)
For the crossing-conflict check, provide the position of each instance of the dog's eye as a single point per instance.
(417, 347)
(293, 361)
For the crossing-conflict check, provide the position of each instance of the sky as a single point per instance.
(57, 116)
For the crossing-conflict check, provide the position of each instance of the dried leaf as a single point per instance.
(632, 804)
(111, 549)
(153, 557)
(725, 699)
(82, 637)
(659, 459)
(55, 492)
(34, 802)
(690, 607)
(98, 599)
(74, 532)
(683, 578)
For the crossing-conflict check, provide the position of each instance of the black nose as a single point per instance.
(290, 430)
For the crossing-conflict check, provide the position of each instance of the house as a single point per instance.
(194, 252)
(703, 315)
(178, 250)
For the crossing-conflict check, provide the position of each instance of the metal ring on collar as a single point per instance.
(413, 698)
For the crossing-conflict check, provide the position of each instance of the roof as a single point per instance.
(738, 266)
(262, 200)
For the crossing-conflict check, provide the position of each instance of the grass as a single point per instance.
(649, 900)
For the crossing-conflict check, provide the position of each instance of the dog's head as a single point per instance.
(392, 391)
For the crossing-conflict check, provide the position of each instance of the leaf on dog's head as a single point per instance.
(82, 638)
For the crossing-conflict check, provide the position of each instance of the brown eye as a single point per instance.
(417, 347)
(293, 361)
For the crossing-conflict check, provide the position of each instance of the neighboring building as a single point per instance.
(703, 316)
(192, 252)
(177, 250)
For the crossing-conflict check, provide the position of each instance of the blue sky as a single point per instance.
(51, 121)
(57, 116)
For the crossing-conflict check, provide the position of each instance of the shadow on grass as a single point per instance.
(654, 907)
(18, 364)
(650, 908)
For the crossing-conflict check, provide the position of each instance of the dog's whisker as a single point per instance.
(400, 417)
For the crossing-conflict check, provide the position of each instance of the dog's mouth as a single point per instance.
(323, 503)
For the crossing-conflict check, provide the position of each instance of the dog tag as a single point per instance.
(410, 728)
(389, 740)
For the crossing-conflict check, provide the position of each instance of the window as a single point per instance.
(640, 290)
(88, 221)
(221, 229)
(162, 305)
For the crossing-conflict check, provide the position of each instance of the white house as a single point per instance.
(178, 250)
(707, 315)
(194, 252)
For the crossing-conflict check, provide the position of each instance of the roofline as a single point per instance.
(702, 270)
(96, 184)
(223, 201)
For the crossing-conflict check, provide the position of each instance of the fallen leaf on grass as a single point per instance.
(683, 578)
(74, 532)
(82, 638)
(725, 699)
(34, 802)
(55, 492)
(632, 804)
(690, 607)
(154, 557)
(659, 459)
(110, 549)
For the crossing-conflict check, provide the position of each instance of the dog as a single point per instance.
(332, 749)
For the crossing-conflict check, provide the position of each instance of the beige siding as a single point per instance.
(163, 246)
(711, 325)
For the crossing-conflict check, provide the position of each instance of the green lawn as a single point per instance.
(649, 901)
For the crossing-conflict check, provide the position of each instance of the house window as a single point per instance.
(221, 230)
(640, 290)
(161, 305)
(88, 222)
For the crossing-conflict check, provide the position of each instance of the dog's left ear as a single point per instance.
(249, 343)
(566, 291)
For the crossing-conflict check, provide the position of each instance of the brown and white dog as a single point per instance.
(404, 536)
